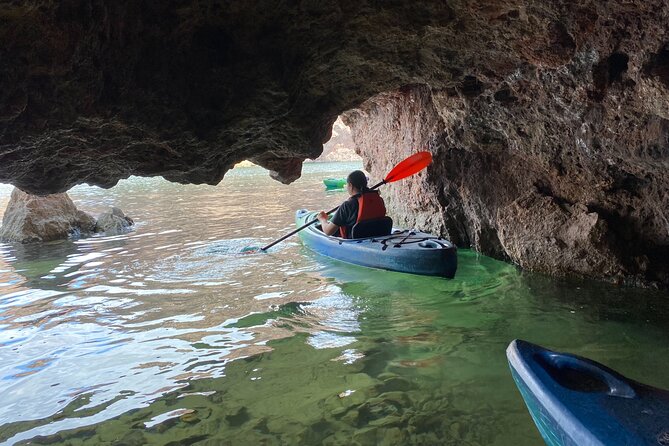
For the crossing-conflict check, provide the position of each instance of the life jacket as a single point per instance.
(370, 207)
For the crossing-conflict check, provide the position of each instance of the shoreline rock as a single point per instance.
(32, 218)
(113, 222)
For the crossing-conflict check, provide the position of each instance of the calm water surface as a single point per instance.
(170, 335)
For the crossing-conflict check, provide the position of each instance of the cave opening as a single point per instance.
(617, 63)
(659, 65)
(201, 89)
(340, 146)
(547, 124)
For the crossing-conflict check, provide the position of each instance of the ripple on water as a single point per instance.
(172, 333)
(205, 262)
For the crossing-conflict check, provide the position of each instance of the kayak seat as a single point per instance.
(377, 227)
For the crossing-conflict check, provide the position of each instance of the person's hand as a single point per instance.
(322, 217)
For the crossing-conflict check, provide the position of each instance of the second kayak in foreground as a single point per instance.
(403, 250)
(579, 402)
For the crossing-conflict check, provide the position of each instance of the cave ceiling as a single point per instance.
(95, 91)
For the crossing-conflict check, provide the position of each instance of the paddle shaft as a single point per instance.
(309, 223)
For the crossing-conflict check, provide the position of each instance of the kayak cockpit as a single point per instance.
(404, 250)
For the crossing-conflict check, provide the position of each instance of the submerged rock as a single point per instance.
(133, 438)
(113, 222)
(30, 218)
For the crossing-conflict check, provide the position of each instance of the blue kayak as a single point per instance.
(576, 401)
(403, 250)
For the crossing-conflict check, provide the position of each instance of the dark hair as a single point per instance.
(358, 179)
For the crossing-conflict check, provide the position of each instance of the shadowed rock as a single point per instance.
(113, 222)
(554, 192)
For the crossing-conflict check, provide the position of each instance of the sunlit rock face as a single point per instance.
(30, 218)
(548, 119)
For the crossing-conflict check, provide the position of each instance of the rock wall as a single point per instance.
(340, 147)
(577, 186)
(95, 91)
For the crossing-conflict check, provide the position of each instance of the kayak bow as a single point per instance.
(577, 401)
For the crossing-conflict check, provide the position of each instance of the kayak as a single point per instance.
(334, 183)
(577, 401)
(404, 250)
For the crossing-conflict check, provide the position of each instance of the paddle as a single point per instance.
(414, 163)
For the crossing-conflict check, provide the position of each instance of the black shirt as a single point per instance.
(347, 214)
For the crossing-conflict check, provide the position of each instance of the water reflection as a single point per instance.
(34, 264)
(173, 334)
(119, 321)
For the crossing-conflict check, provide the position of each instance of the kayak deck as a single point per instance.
(577, 401)
(403, 250)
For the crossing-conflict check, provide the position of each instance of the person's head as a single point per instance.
(356, 182)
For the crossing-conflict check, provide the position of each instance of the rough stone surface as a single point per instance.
(537, 231)
(557, 99)
(525, 194)
(113, 222)
(30, 218)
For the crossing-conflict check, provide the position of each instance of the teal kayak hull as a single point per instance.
(575, 401)
(334, 183)
(404, 250)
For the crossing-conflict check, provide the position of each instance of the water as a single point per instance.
(171, 335)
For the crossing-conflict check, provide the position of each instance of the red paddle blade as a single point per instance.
(415, 163)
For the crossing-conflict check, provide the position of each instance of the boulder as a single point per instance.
(31, 218)
(113, 222)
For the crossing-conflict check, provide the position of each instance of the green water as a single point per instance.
(168, 335)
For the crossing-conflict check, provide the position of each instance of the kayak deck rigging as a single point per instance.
(403, 250)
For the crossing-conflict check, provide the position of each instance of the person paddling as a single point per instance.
(363, 204)
(407, 167)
